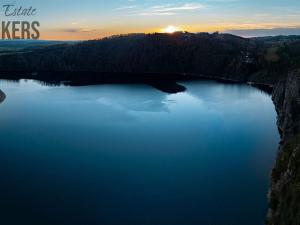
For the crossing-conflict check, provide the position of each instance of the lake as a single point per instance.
(132, 155)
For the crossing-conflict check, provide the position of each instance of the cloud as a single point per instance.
(77, 30)
(152, 13)
(169, 9)
(70, 30)
(185, 7)
(126, 7)
(222, 1)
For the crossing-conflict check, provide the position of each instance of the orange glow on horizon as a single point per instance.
(51, 34)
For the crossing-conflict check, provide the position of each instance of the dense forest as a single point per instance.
(179, 53)
(138, 55)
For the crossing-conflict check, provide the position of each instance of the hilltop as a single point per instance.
(225, 56)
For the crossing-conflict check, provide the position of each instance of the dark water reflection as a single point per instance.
(132, 155)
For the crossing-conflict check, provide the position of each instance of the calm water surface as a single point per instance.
(132, 155)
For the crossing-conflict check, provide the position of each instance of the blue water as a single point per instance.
(132, 155)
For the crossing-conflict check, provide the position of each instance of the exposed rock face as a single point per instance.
(286, 97)
(2, 96)
(284, 194)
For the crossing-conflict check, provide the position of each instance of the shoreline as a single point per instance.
(158, 80)
(285, 177)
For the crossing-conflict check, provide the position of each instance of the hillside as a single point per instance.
(118, 58)
(284, 195)
(216, 55)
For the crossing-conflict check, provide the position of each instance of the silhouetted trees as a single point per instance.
(181, 53)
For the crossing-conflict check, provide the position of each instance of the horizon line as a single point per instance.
(230, 32)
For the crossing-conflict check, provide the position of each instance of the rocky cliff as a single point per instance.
(2, 96)
(284, 194)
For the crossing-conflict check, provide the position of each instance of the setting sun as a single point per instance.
(170, 29)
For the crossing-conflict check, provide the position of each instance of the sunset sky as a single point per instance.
(89, 19)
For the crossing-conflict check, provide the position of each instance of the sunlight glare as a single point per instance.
(170, 29)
